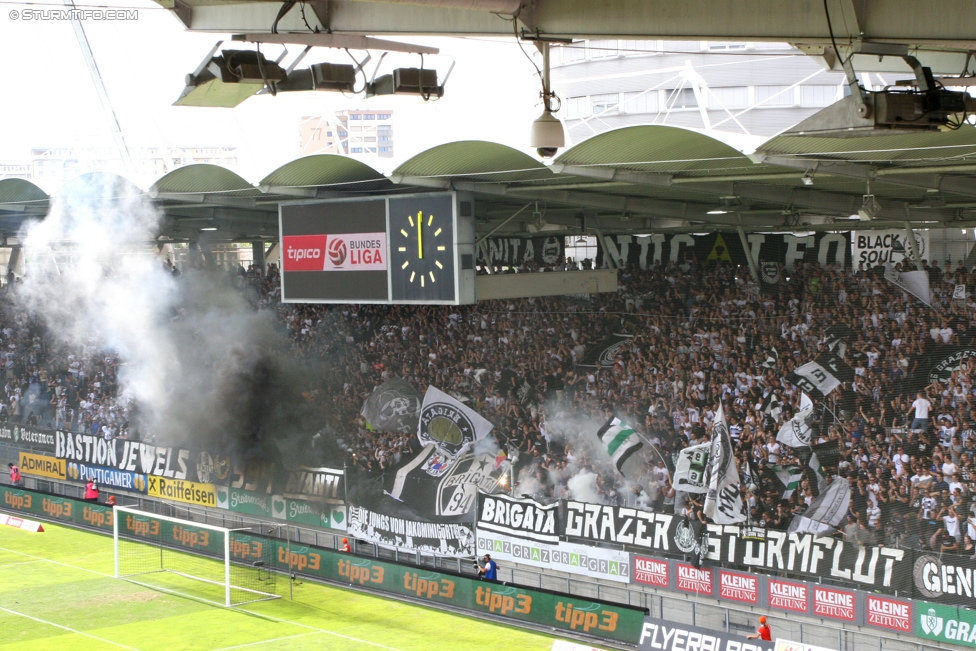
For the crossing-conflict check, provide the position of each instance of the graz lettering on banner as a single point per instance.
(320, 484)
(595, 562)
(945, 623)
(41, 466)
(110, 477)
(616, 524)
(650, 571)
(891, 614)
(391, 531)
(663, 635)
(182, 491)
(787, 595)
(833, 603)
(519, 518)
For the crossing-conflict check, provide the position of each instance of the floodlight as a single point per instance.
(229, 79)
(407, 81)
(870, 209)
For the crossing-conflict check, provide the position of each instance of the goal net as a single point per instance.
(226, 567)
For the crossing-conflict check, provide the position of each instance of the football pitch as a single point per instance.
(57, 592)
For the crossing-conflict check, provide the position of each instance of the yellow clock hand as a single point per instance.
(420, 235)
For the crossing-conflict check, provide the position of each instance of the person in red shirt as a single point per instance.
(763, 632)
(15, 477)
(91, 491)
(345, 545)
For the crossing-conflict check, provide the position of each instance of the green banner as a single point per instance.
(242, 501)
(52, 507)
(610, 621)
(330, 516)
(945, 623)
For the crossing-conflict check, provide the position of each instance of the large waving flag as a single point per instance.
(723, 503)
(826, 512)
(691, 468)
(796, 432)
(620, 440)
(448, 424)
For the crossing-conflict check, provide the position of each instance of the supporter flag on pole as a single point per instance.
(915, 283)
(822, 375)
(605, 353)
(689, 471)
(796, 432)
(805, 402)
(790, 478)
(392, 407)
(448, 424)
(620, 440)
(818, 470)
(723, 503)
(826, 512)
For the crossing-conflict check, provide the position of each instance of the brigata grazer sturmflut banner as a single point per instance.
(869, 568)
(523, 518)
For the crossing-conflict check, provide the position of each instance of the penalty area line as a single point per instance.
(274, 639)
(316, 629)
(48, 560)
(67, 628)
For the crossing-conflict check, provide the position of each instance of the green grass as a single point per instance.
(57, 592)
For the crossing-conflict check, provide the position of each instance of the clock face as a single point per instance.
(422, 249)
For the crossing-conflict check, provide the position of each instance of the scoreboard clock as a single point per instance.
(401, 249)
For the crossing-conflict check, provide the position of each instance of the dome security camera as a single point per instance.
(547, 135)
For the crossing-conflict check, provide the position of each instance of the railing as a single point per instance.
(684, 609)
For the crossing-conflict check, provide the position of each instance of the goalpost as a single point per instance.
(225, 567)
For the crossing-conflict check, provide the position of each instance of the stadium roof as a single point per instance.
(632, 180)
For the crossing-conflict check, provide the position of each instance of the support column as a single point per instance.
(16, 253)
(257, 254)
(749, 261)
(910, 234)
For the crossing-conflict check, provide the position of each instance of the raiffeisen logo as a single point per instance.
(304, 252)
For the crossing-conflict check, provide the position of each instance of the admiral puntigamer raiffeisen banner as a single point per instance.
(391, 531)
(107, 477)
(872, 568)
(520, 518)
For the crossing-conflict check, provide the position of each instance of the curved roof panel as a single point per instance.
(202, 177)
(320, 170)
(907, 149)
(20, 191)
(658, 148)
(105, 184)
(476, 160)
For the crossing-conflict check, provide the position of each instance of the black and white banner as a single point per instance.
(28, 437)
(665, 635)
(602, 523)
(316, 484)
(449, 539)
(448, 424)
(513, 251)
(605, 353)
(523, 518)
(796, 432)
(648, 250)
(822, 375)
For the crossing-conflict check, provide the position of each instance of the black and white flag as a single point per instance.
(621, 441)
(448, 424)
(690, 468)
(915, 283)
(826, 512)
(837, 337)
(822, 375)
(796, 432)
(723, 503)
(393, 407)
(605, 353)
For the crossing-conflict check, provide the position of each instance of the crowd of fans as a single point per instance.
(701, 334)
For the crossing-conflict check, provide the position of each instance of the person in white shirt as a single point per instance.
(920, 408)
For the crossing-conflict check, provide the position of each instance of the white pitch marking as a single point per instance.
(68, 628)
